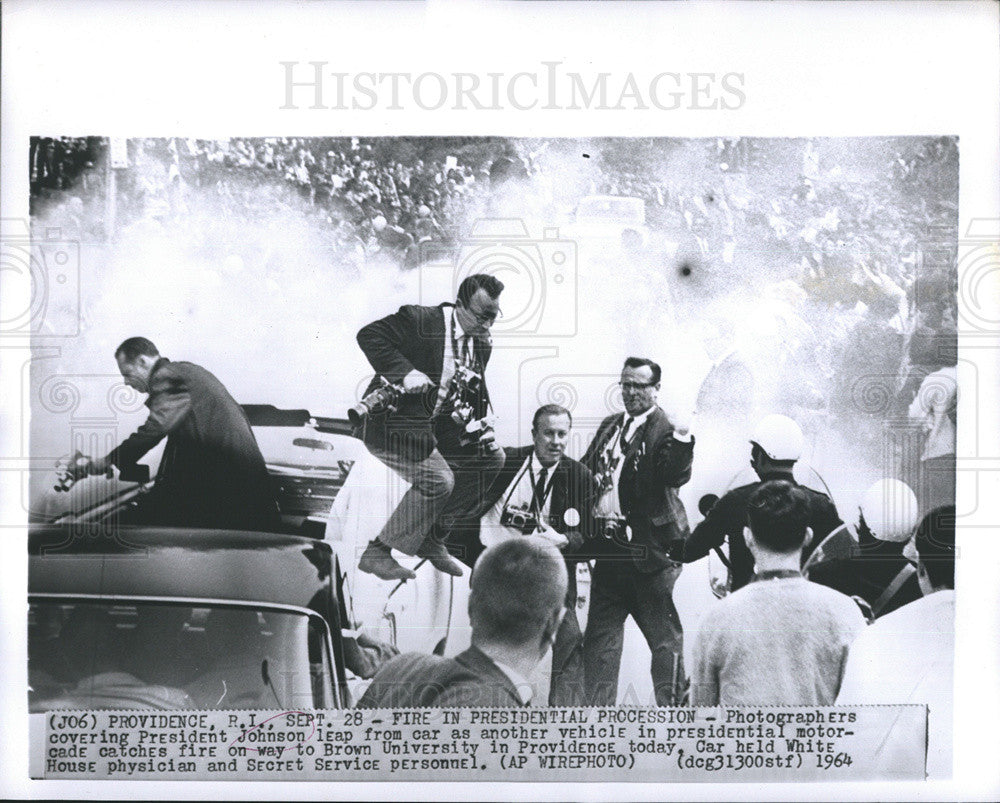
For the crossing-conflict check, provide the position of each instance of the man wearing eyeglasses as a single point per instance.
(640, 458)
(426, 351)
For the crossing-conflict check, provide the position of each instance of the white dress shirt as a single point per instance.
(453, 334)
(608, 505)
(519, 493)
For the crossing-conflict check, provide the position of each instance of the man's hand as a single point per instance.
(97, 465)
(70, 470)
(416, 382)
(558, 540)
(682, 423)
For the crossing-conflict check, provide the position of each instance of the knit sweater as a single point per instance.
(781, 641)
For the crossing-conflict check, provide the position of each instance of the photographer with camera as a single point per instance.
(640, 459)
(425, 415)
(540, 492)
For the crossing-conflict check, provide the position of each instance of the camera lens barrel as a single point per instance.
(357, 414)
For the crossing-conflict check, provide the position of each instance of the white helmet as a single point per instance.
(890, 510)
(779, 437)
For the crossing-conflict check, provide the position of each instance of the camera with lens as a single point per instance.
(519, 517)
(466, 384)
(464, 394)
(613, 529)
(380, 400)
(474, 431)
(71, 469)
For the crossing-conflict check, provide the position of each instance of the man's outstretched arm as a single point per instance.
(169, 403)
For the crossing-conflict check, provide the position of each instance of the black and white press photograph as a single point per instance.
(499, 400)
(707, 386)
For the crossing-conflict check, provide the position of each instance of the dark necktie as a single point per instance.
(624, 491)
(540, 489)
(626, 432)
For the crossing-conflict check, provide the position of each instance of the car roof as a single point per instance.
(133, 561)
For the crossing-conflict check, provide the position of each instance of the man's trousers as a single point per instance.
(443, 489)
(618, 590)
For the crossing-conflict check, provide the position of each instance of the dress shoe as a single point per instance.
(437, 554)
(377, 559)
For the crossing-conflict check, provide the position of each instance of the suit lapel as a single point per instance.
(436, 332)
(518, 457)
(614, 427)
(637, 439)
(559, 499)
(513, 460)
(630, 463)
(481, 348)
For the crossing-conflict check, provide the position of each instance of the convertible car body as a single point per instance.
(333, 497)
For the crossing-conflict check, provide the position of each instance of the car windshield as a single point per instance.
(612, 208)
(111, 654)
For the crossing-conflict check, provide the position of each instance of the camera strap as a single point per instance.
(517, 480)
(536, 504)
(610, 457)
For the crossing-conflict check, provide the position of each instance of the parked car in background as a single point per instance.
(610, 219)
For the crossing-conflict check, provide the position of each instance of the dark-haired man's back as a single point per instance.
(781, 640)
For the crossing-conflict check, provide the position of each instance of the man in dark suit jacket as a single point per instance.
(422, 349)
(515, 607)
(561, 491)
(640, 460)
(776, 445)
(212, 473)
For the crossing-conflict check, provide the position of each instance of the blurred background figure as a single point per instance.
(727, 391)
(908, 656)
(934, 409)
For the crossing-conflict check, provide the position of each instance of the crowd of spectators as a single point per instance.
(367, 205)
(66, 189)
(857, 265)
(860, 263)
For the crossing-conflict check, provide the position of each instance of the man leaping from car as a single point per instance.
(434, 438)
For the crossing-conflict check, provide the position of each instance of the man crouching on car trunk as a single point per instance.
(212, 473)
